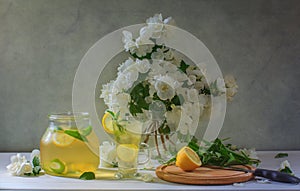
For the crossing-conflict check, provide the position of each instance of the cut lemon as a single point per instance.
(62, 139)
(187, 159)
(127, 152)
(57, 166)
(107, 123)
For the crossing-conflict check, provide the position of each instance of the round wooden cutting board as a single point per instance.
(202, 175)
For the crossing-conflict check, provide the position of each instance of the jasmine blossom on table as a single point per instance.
(286, 167)
(20, 166)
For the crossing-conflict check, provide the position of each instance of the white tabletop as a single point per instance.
(47, 182)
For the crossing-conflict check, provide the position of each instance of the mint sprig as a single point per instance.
(80, 135)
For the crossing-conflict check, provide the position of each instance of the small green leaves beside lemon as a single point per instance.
(87, 176)
(281, 155)
(57, 166)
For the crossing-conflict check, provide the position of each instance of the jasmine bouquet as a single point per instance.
(157, 86)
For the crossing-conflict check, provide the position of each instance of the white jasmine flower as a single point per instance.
(143, 49)
(220, 84)
(164, 90)
(230, 81)
(182, 92)
(169, 55)
(230, 93)
(284, 164)
(199, 85)
(146, 32)
(108, 154)
(143, 66)
(141, 46)
(158, 55)
(192, 79)
(123, 99)
(165, 86)
(13, 168)
(125, 65)
(156, 69)
(25, 168)
(122, 82)
(192, 95)
(106, 90)
(169, 21)
(171, 68)
(249, 152)
(203, 99)
(18, 158)
(19, 165)
(156, 24)
(129, 44)
(176, 60)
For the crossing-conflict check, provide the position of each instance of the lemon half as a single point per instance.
(187, 159)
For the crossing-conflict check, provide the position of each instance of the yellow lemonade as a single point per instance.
(67, 151)
(127, 135)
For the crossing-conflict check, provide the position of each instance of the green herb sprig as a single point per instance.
(216, 153)
(80, 135)
(115, 117)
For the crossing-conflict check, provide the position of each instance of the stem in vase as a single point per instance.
(163, 142)
(156, 143)
(168, 138)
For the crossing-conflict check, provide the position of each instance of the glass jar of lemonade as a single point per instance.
(69, 146)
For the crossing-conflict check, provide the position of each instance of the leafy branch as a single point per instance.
(217, 154)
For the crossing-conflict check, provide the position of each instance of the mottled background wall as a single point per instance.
(43, 41)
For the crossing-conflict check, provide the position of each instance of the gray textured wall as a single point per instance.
(43, 41)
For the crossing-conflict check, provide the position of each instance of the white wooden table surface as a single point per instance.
(47, 182)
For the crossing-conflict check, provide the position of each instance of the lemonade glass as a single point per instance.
(69, 146)
(127, 135)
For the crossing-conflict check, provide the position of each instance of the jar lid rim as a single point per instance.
(68, 115)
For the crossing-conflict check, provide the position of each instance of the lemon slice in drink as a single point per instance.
(127, 152)
(187, 159)
(107, 123)
(57, 166)
(62, 139)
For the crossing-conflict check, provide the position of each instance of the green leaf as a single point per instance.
(171, 161)
(281, 155)
(56, 128)
(176, 100)
(193, 144)
(86, 131)
(183, 66)
(36, 161)
(36, 170)
(111, 113)
(87, 176)
(287, 170)
(138, 102)
(76, 134)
